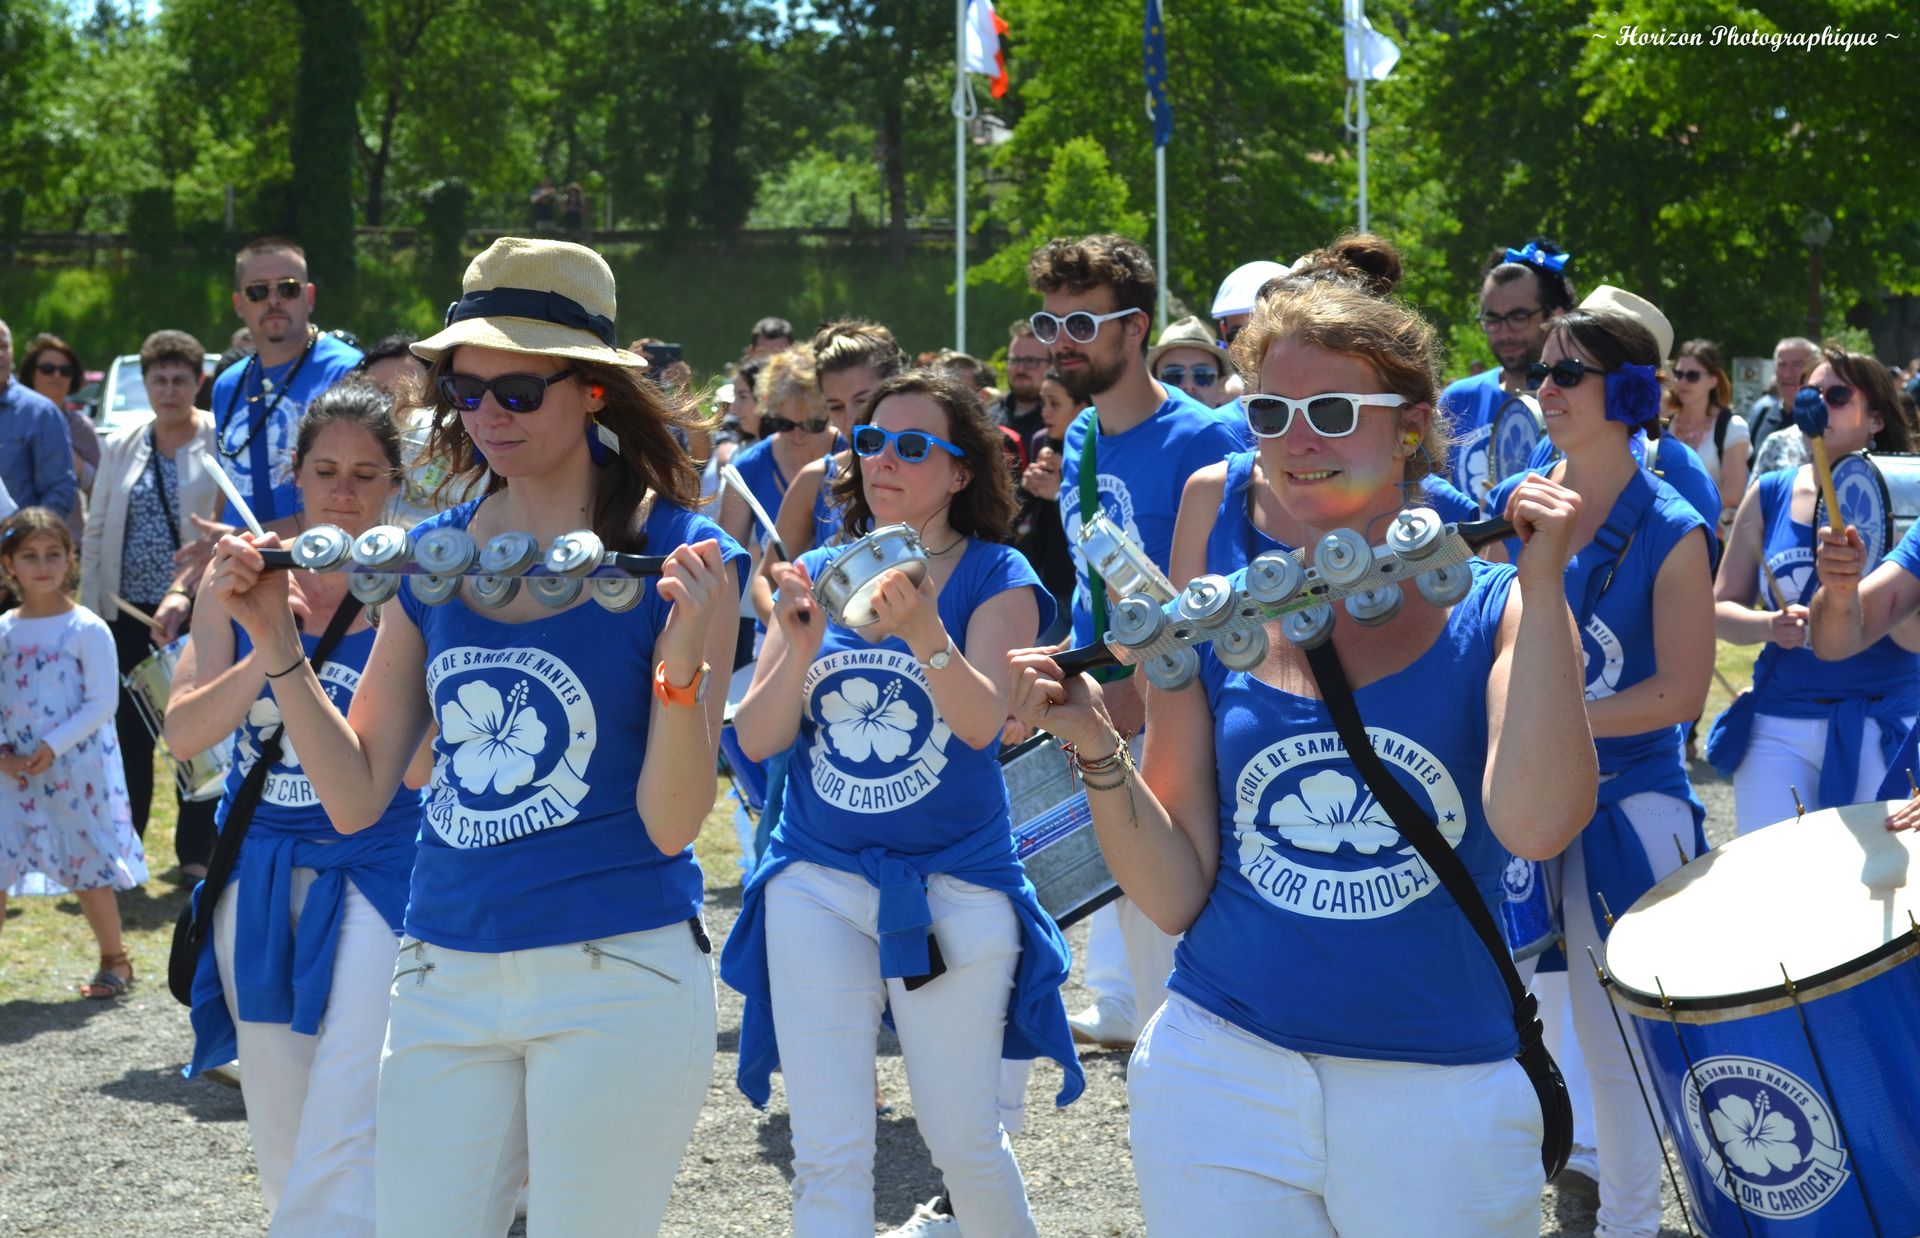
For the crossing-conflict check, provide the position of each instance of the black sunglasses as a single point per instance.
(517, 393)
(1689, 376)
(54, 367)
(1565, 373)
(774, 425)
(1838, 395)
(1203, 375)
(285, 289)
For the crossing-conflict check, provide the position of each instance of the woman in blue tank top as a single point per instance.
(553, 1007)
(294, 976)
(1825, 730)
(1639, 586)
(891, 887)
(1337, 1051)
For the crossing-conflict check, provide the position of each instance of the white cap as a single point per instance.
(1242, 285)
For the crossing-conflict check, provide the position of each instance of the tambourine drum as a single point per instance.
(1865, 503)
(1516, 432)
(1526, 917)
(1053, 831)
(845, 588)
(202, 777)
(1774, 987)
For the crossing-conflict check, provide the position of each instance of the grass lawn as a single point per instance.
(46, 950)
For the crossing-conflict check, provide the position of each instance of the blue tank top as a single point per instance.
(1784, 676)
(1325, 932)
(1236, 541)
(532, 838)
(871, 743)
(289, 807)
(760, 469)
(826, 514)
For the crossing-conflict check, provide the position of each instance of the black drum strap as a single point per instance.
(1556, 1109)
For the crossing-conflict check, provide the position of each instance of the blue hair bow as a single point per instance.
(1534, 256)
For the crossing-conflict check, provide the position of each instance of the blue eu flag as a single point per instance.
(1154, 59)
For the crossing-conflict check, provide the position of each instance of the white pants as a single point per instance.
(584, 1065)
(823, 958)
(1784, 755)
(310, 1099)
(1235, 1136)
(1628, 1144)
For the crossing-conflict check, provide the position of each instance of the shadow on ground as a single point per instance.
(200, 1098)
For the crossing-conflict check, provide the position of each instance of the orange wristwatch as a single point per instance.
(694, 693)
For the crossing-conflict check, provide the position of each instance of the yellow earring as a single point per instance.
(1411, 438)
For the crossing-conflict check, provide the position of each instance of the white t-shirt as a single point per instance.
(1709, 451)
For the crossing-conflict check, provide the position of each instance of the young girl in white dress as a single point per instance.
(65, 822)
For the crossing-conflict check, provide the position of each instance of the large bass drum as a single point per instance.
(1773, 985)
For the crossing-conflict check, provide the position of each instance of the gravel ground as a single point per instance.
(100, 1135)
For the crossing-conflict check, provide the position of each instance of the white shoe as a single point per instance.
(1100, 1024)
(227, 1076)
(928, 1221)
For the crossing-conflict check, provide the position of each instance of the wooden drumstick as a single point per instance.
(134, 611)
(1773, 582)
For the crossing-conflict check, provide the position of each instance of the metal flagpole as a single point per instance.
(1160, 207)
(963, 109)
(1361, 102)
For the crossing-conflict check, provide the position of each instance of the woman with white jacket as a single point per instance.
(153, 479)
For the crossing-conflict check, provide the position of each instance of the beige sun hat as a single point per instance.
(1188, 332)
(1608, 299)
(549, 298)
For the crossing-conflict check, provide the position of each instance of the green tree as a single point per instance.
(322, 141)
(1080, 194)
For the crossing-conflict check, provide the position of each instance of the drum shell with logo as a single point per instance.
(1526, 917)
(1795, 1118)
(1053, 831)
(201, 777)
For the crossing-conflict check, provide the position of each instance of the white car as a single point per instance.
(123, 397)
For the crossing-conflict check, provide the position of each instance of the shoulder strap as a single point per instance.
(1720, 425)
(226, 845)
(1089, 482)
(1614, 537)
(1415, 827)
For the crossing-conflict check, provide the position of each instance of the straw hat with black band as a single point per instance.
(544, 298)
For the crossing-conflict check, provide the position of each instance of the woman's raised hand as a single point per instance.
(794, 610)
(1068, 707)
(256, 598)
(1543, 513)
(1840, 557)
(695, 582)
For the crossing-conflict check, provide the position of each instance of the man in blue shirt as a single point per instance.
(1147, 439)
(1521, 293)
(258, 400)
(36, 448)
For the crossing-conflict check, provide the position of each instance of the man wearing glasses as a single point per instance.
(258, 400)
(1522, 292)
(1144, 439)
(1019, 408)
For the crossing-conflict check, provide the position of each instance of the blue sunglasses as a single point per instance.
(911, 446)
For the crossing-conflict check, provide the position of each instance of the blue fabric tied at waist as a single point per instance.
(1618, 867)
(1846, 735)
(1036, 1019)
(282, 974)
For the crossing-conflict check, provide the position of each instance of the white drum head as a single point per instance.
(1823, 896)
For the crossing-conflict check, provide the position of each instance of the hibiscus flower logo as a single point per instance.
(1331, 810)
(863, 722)
(1759, 1139)
(494, 741)
(263, 717)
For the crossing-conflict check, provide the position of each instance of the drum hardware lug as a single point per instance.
(1912, 785)
(1799, 809)
(1685, 859)
(1605, 910)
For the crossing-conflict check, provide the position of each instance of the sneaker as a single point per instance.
(1580, 1180)
(227, 1076)
(1100, 1024)
(928, 1221)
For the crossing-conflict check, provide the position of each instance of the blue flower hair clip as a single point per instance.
(1534, 256)
(1633, 394)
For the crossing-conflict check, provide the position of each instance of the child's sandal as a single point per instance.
(108, 984)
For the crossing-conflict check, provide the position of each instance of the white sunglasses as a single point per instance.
(1335, 414)
(1080, 326)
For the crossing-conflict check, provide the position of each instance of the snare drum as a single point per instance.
(202, 777)
(1774, 988)
(846, 586)
(1526, 917)
(1053, 832)
(1900, 471)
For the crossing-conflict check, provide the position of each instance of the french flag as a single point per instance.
(984, 55)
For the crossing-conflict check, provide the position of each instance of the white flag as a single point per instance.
(983, 39)
(1370, 54)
